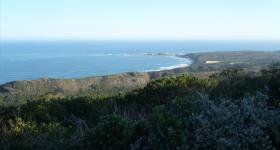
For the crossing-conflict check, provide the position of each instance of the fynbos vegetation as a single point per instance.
(232, 109)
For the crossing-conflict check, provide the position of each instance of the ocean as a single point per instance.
(28, 60)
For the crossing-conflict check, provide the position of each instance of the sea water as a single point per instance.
(27, 60)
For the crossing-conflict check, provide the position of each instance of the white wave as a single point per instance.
(173, 67)
(168, 67)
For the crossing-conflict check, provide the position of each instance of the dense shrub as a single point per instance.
(162, 90)
(233, 126)
(113, 132)
(235, 83)
(232, 109)
(250, 124)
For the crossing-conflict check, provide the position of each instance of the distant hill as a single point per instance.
(216, 61)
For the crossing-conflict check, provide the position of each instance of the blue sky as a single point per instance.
(139, 19)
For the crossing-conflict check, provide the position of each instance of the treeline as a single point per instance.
(232, 109)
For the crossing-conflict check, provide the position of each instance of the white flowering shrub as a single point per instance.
(226, 125)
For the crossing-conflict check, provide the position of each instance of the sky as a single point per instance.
(139, 19)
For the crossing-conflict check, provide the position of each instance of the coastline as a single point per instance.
(194, 59)
(128, 81)
(182, 62)
(167, 68)
(200, 59)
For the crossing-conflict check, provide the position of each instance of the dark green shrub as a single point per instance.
(113, 132)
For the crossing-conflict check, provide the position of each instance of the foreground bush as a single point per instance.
(249, 124)
(113, 132)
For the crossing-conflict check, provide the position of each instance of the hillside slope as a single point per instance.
(17, 91)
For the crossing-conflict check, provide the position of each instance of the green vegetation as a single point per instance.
(249, 60)
(232, 109)
(20, 92)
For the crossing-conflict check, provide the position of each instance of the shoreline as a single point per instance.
(128, 81)
(158, 69)
(197, 60)
(218, 59)
(168, 68)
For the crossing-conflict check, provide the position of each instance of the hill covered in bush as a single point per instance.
(232, 109)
